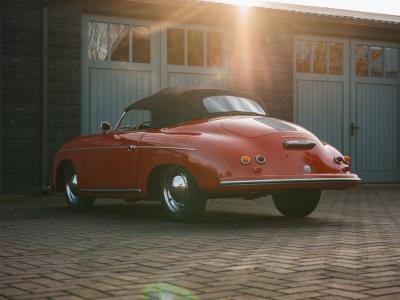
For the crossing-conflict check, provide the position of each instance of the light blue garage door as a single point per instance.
(347, 93)
(376, 111)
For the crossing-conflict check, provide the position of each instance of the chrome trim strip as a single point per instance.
(94, 148)
(119, 121)
(110, 190)
(129, 147)
(287, 181)
(165, 147)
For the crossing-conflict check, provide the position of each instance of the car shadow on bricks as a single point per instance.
(220, 214)
(153, 213)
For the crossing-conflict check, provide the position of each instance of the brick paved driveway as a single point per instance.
(349, 248)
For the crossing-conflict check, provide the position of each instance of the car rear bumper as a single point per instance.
(318, 181)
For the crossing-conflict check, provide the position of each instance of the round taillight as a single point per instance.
(245, 160)
(260, 159)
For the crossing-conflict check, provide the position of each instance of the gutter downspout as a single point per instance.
(45, 182)
(1, 110)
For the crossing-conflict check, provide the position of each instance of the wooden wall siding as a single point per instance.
(195, 80)
(113, 90)
(21, 95)
(320, 107)
(378, 136)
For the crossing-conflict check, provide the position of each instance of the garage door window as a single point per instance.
(195, 48)
(336, 58)
(118, 42)
(98, 40)
(391, 62)
(376, 61)
(319, 57)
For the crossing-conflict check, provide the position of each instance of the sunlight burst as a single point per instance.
(243, 3)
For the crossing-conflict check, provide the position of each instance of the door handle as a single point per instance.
(354, 128)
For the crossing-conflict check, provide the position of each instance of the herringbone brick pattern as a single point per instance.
(348, 249)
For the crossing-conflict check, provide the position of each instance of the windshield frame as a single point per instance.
(117, 127)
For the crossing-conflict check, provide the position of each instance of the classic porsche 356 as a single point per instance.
(182, 147)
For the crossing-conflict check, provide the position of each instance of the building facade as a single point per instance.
(68, 65)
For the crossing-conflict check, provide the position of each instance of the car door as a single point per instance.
(110, 162)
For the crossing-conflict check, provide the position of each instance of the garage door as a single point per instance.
(347, 93)
(125, 60)
(375, 110)
(322, 88)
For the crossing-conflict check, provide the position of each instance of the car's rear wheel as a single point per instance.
(296, 203)
(180, 196)
(71, 192)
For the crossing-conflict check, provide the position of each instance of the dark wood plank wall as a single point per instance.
(21, 95)
(263, 64)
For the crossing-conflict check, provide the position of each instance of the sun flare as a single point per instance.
(242, 3)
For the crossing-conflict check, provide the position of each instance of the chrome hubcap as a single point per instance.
(71, 188)
(175, 190)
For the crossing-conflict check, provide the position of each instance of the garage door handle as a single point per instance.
(354, 128)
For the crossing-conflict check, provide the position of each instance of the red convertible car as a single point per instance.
(182, 147)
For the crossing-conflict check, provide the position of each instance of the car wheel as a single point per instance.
(71, 192)
(180, 196)
(296, 203)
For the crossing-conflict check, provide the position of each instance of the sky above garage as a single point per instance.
(382, 6)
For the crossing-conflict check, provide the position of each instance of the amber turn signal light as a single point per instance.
(245, 159)
(342, 159)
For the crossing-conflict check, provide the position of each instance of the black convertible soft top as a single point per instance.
(174, 105)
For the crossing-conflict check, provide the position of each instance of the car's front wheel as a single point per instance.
(296, 203)
(71, 192)
(180, 196)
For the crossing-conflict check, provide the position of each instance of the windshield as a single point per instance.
(135, 119)
(232, 104)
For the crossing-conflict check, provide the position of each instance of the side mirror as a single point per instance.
(105, 127)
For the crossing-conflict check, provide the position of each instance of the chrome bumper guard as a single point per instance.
(289, 181)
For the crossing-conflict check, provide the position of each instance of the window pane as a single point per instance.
(215, 49)
(196, 48)
(133, 118)
(176, 46)
(376, 61)
(362, 61)
(98, 41)
(225, 103)
(391, 62)
(336, 58)
(319, 57)
(303, 57)
(119, 42)
(141, 44)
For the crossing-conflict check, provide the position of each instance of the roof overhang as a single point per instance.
(318, 13)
